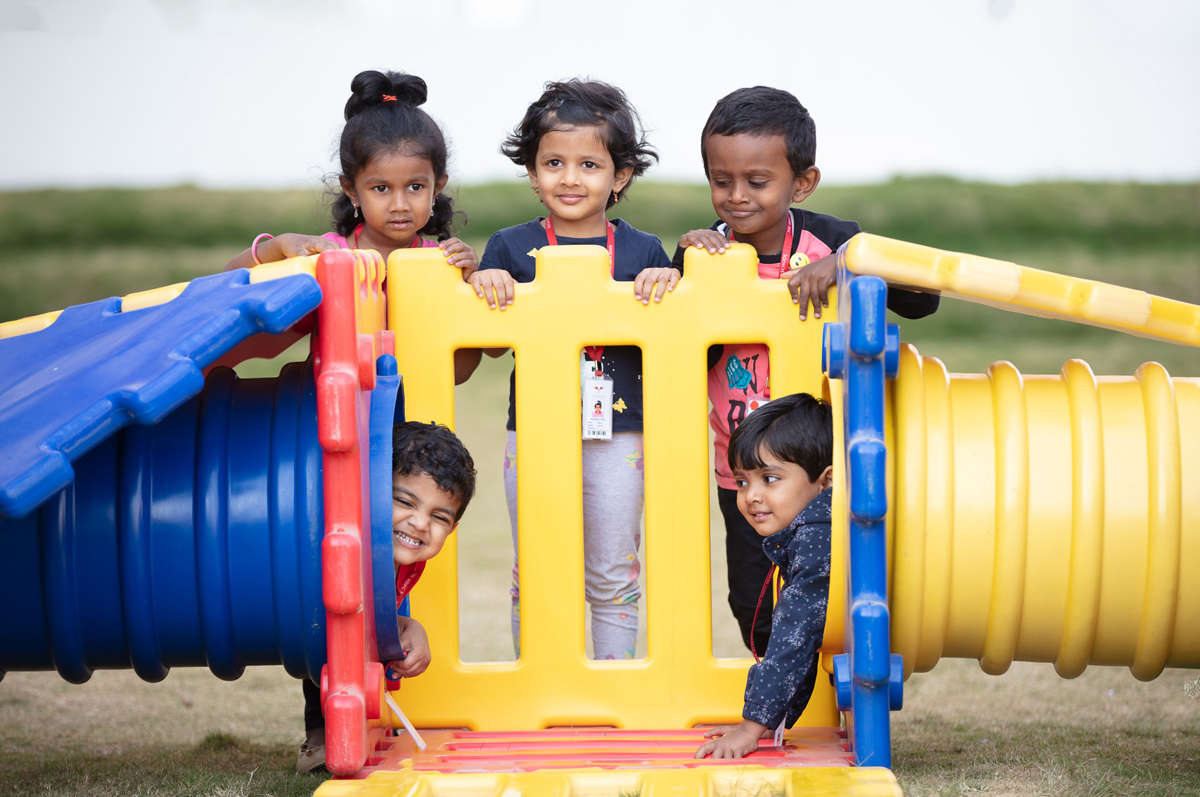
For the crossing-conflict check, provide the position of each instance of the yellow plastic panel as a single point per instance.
(725, 781)
(574, 303)
(1046, 518)
(1025, 290)
(23, 326)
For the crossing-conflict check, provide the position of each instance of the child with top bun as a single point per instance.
(582, 145)
(393, 171)
(759, 149)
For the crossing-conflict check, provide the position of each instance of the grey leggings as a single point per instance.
(614, 494)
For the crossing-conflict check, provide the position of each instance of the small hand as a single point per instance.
(495, 286)
(416, 649)
(461, 256)
(811, 283)
(292, 244)
(664, 278)
(731, 741)
(713, 241)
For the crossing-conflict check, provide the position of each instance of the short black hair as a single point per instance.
(796, 428)
(584, 103)
(434, 450)
(383, 118)
(764, 111)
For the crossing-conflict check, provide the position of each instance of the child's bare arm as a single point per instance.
(664, 278)
(281, 247)
(711, 240)
(811, 283)
(732, 741)
(416, 648)
(461, 256)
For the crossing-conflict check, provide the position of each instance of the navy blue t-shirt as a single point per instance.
(514, 250)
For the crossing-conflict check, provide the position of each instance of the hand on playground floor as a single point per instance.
(416, 648)
(495, 286)
(461, 256)
(811, 283)
(664, 278)
(732, 741)
(711, 240)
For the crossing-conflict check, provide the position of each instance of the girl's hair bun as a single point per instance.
(371, 88)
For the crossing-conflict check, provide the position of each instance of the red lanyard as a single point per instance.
(786, 254)
(596, 352)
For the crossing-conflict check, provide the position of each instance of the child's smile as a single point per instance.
(423, 517)
(772, 496)
(753, 186)
(575, 177)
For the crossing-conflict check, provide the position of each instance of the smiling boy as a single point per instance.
(759, 148)
(433, 480)
(782, 459)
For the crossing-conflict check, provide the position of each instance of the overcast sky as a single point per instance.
(249, 93)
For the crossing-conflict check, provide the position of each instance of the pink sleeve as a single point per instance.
(337, 239)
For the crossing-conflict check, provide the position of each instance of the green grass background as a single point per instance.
(59, 248)
(961, 732)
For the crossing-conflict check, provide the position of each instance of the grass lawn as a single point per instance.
(961, 732)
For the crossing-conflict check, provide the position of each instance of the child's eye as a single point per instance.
(554, 162)
(590, 165)
(758, 184)
(770, 479)
(380, 189)
(740, 483)
(415, 187)
(402, 501)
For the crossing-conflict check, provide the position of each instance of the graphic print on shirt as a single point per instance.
(741, 377)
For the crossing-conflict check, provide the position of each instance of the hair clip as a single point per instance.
(389, 97)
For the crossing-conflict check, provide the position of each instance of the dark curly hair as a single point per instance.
(796, 428)
(434, 450)
(375, 127)
(584, 103)
(764, 111)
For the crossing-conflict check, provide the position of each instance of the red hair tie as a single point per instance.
(389, 98)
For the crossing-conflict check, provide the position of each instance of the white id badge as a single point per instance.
(755, 403)
(597, 407)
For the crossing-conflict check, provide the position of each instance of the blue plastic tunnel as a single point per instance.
(192, 542)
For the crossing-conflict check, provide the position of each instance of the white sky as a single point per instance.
(223, 93)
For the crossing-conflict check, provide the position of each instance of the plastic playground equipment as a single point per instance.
(162, 512)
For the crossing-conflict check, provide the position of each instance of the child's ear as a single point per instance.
(348, 188)
(532, 172)
(825, 480)
(806, 183)
(440, 184)
(623, 178)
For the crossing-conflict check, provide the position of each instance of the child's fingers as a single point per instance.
(639, 283)
(705, 749)
(663, 282)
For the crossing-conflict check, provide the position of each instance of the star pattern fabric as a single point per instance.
(779, 686)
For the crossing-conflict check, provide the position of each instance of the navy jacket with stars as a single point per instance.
(780, 685)
(514, 249)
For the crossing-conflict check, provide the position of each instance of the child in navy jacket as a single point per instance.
(782, 460)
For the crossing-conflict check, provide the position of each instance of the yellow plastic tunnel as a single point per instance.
(1045, 518)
